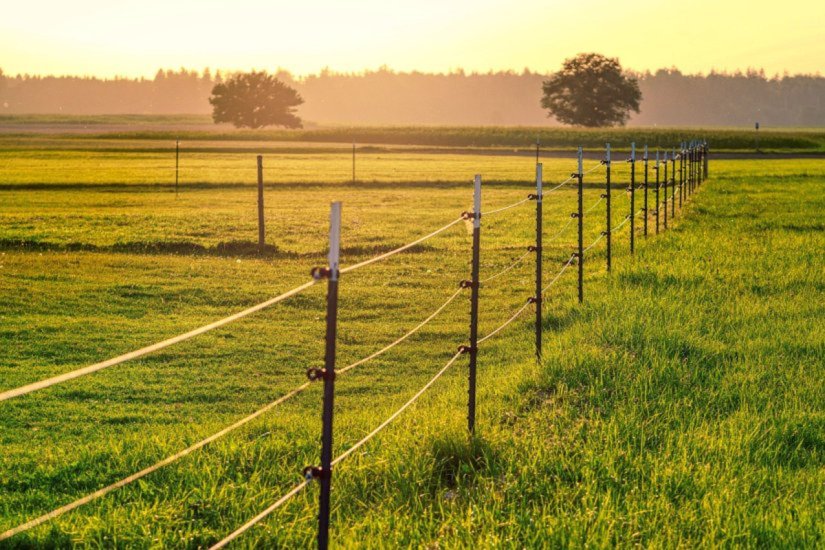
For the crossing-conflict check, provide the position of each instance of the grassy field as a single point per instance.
(78, 130)
(681, 405)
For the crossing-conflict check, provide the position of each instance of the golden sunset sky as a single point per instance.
(135, 38)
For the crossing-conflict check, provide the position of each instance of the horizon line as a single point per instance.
(458, 71)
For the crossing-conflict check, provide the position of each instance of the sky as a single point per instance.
(136, 38)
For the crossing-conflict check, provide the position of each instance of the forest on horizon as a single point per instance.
(383, 96)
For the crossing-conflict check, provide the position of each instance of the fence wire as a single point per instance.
(23, 390)
(295, 490)
(42, 384)
(202, 443)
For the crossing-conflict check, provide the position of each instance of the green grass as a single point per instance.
(193, 128)
(681, 405)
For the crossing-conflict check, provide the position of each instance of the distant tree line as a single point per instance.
(386, 97)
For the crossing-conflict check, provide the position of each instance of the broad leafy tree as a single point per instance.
(590, 90)
(255, 100)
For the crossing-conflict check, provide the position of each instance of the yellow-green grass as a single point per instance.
(194, 128)
(680, 405)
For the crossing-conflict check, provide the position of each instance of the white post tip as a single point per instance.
(477, 201)
(334, 238)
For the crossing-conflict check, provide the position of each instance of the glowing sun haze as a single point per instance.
(135, 38)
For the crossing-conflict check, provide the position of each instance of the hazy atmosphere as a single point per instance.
(432, 274)
(669, 98)
(477, 63)
(135, 38)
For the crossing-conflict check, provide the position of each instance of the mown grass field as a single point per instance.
(681, 405)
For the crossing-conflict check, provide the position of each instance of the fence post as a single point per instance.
(673, 184)
(656, 169)
(353, 163)
(632, 197)
(689, 166)
(607, 195)
(696, 163)
(664, 183)
(705, 160)
(647, 213)
(261, 229)
(324, 471)
(685, 171)
(177, 165)
(474, 284)
(580, 216)
(681, 174)
(693, 157)
(539, 254)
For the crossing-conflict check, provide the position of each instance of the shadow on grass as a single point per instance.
(116, 187)
(183, 248)
(188, 248)
(457, 461)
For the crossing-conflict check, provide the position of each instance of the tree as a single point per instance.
(255, 100)
(590, 90)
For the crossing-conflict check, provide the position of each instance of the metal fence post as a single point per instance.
(696, 181)
(705, 160)
(689, 166)
(607, 231)
(474, 284)
(664, 183)
(580, 216)
(647, 212)
(538, 298)
(673, 184)
(177, 165)
(681, 174)
(261, 229)
(656, 169)
(324, 472)
(697, 161)
(632, 197)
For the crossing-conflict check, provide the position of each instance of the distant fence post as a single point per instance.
(324, 472)
(664, 183)
(688, 190)
(647, 212)
(689, 165)
(681, 174)
(261, 228)
(177, 165)
(705, 159)
(607, 195)
(538, 298)
(695, 162)
(353, 163)
(632, 197)
(474, 284)
(580, 216)
(673, 184)
(656, 169)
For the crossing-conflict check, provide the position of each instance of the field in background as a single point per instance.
(194, 128)
(681, 405)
